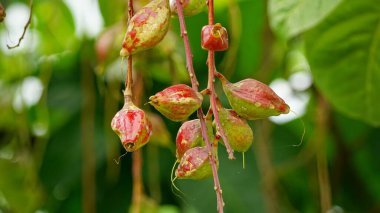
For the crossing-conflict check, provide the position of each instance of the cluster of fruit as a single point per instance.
(249, 98)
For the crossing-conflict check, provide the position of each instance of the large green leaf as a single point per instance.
(291, 17)
(344, 55)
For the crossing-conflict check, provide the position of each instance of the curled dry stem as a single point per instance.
(195, 84)
(25, 28)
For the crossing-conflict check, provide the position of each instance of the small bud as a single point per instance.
(252, 99)
(194, 164)
(239, 134)
(146, 28)
(190, 135)
(190, 7)
(177, 102)
(214, 37)
(132, 127)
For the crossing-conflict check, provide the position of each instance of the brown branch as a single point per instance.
(194, 82)
(137, 192)
(87, 137)
(323, 174)
(25, 27)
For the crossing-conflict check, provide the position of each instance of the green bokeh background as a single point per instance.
(46, 148)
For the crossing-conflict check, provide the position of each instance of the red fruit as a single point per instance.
(146, 28)
(214, 37)
(177, 102)
(194, 164)
(252, 99)
(132, 127)
(190, 135)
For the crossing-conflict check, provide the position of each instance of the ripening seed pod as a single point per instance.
(177, 102)
(190, 135)
(132, 126)
(214, 37)
(194, 164)
(146, 28)
(252, 99)
(239, 134)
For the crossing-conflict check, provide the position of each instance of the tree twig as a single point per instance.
(25, 27)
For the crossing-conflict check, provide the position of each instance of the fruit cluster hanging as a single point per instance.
(197, 140)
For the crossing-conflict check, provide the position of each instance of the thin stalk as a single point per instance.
(137, 188)
(194, 83)
(215, 111)
(189, 55)
(87, 138)
(129, 80)
(322, 170)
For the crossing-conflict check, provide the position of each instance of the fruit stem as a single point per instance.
(129, 79)
(195, 84)
(188, 53)
(137, 181)
(213, 97)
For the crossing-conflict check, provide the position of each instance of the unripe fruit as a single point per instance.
(190, 7)
(214, 37)
(252, 99)
(239, 134)
(132, 127)
(194, 164)
(190, 135)
(146, 28)
(177, 102)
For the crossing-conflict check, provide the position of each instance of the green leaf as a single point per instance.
(289, 18)
(345, 59)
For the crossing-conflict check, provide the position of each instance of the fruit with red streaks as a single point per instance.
(190, 7)
(194, 164)
(252, 99)
(132, 127)
(214, 37)
(190, 135)
(146, 28)
(177, 102)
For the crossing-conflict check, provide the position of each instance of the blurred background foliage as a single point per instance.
(60, 89)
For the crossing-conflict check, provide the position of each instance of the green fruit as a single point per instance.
(190, 7)
(239, 134)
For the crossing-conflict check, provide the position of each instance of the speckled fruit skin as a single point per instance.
(177, 102)
(214, 37)
(190, 135)
(239, 134)
(146, 28)
(190, 7)
(252, 99)
(132, 127)
(194, 164)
